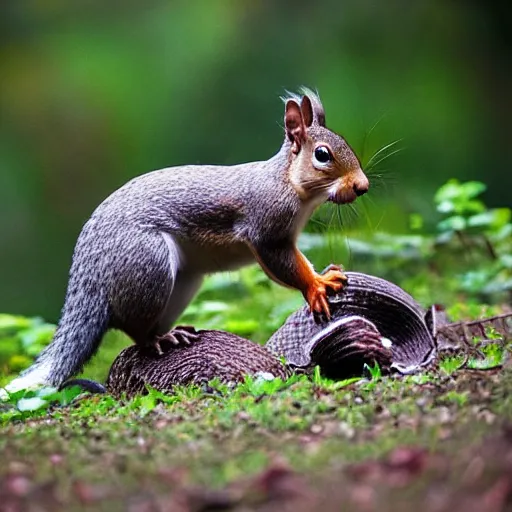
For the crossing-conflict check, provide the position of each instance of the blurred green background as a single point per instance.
(93, 93)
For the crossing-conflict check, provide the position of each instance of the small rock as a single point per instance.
(264, 376)
(422, 402)
(444, 415)
(473, 471)
(316, 429)
(243, 416)
(56, 459)
(346, 430)
(487, 416)
(88, 493)
(18, 485)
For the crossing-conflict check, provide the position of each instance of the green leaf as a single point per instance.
(506, 260)
(31, 404)
(40, 335)
(503, 234)
(494, 219)
(18, 362)
(455, 223)
(470, 206)
(9, 347)
(46, 392)
(374, 371)
(446, 207)
(147, 403)
(416, 221)
(473, 188)
(456, 197)
(241, 326)
(474, 281)
(211, 306)
(14, 323)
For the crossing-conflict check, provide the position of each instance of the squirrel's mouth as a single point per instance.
(345, 191)
(342, 196)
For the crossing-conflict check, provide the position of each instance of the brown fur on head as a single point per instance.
(323, 166)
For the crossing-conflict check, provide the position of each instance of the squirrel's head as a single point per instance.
(322, 164)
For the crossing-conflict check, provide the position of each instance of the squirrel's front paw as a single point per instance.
(316, 294)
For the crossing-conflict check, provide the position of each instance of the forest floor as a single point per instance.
(438, 442)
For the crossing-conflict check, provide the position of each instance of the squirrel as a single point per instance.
(141, 257)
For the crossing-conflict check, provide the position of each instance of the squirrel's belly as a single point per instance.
(210, 258)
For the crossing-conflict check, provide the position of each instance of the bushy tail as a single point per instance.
(76, 339)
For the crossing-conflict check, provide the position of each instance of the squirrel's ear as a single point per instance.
(294, 123)
(307, 111)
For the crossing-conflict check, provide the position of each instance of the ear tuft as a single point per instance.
(317, 107)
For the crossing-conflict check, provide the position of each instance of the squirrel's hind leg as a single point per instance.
(185, 287)
(153, 292)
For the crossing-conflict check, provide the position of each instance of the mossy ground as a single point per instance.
(264, 445)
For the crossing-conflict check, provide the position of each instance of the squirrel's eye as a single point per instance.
(323, 154)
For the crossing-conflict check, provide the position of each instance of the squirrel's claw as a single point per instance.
(334, 278)
(316, 295)
(181, 335)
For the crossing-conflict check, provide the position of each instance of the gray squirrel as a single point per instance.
(141, 257)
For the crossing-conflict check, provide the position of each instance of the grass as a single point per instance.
(218, 435)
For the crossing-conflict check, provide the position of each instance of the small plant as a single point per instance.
(25, 404)
(493, 357)
(451, 364)
(465, 212)
(374, 371)
(483, 234)
(458, 398)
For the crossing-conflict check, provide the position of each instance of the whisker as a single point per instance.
(364, 206)
(341, 221)
(319, 222)
(388, 155)
(331, 219)
(353, 209)
(367, 133)
(371, 162)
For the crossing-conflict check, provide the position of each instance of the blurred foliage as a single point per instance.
(478, 230)
(21, 339)
(94, 93)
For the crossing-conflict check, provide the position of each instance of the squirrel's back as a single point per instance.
(205, 202)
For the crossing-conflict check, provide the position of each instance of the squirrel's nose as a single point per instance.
(361, 186)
